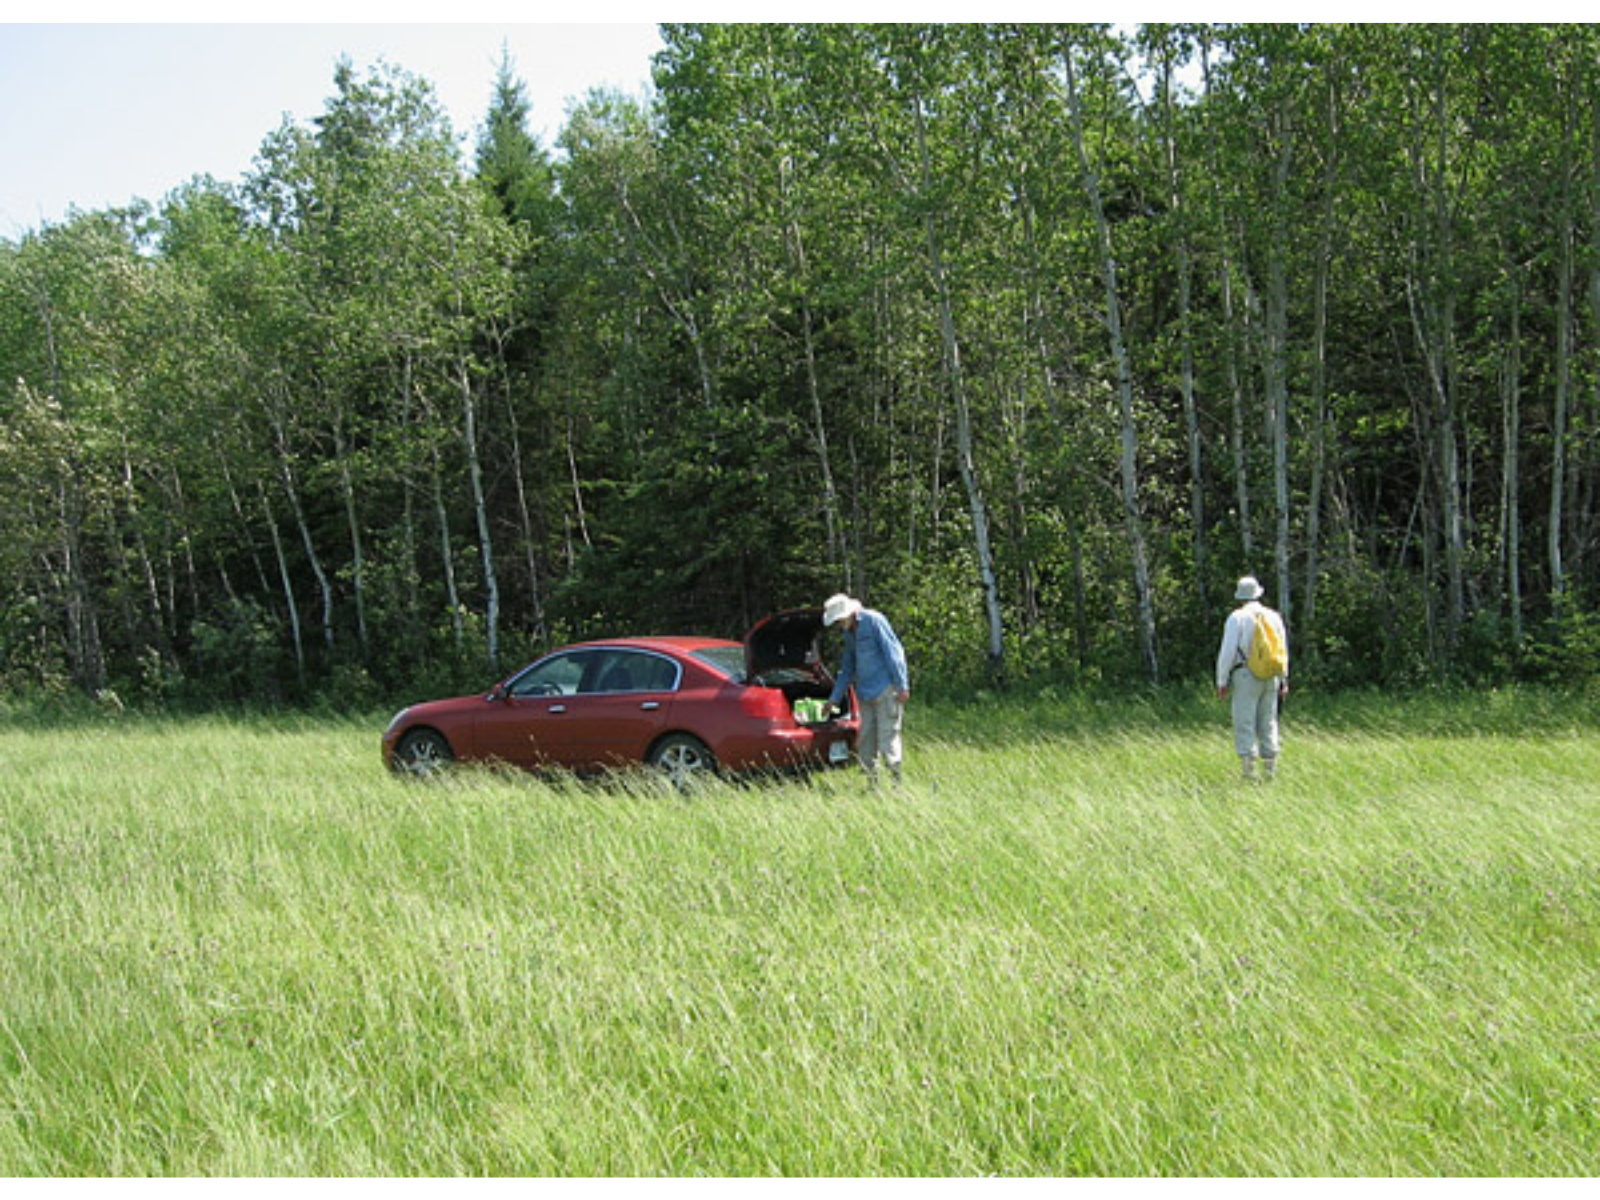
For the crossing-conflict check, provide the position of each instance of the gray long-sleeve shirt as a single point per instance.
(1238, 632)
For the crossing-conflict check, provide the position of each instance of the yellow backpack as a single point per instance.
(1268, 658)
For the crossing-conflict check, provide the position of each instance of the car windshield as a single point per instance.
(727, 659)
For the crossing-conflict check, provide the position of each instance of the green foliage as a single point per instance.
(1367, 632)
(33, 661)
(927, 609)
(238, 655)
(510, 164)
(1566, 650)
(687, 535)
(389, 415)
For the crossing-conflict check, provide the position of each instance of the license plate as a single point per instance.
(838, 752)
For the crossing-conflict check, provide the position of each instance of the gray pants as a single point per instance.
(1255, 715)
(880, 732)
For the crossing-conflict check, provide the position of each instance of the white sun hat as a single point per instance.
(838, 608)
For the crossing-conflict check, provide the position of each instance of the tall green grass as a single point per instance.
(1071, 943)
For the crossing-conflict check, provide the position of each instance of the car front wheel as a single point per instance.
(422, 753)
(682, 758)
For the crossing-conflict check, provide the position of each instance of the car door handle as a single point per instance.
(650, 705)
(558, 708)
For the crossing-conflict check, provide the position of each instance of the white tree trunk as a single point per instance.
(480, 507)
(288, 587)
(965, 459)
(1131, 508)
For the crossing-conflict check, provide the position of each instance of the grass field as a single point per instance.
(1072, 943)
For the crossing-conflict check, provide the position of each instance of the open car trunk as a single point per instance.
(783, 652)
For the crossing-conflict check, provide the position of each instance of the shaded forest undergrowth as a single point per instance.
(978, 716)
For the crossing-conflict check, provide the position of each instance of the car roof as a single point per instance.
(675, 643)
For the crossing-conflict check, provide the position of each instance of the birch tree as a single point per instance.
(1133, 516)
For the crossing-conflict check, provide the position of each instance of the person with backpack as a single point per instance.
(1253, 666)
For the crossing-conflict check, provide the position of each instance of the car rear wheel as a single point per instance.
(682, 758)
(422, 753)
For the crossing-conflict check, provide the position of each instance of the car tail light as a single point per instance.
(764, 704)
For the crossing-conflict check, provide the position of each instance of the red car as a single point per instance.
(679, 704)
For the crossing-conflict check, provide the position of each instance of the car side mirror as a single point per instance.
(496, 693)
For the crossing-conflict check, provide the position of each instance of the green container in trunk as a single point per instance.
(809, 711)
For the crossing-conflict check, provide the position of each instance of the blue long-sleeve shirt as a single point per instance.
(874, 659)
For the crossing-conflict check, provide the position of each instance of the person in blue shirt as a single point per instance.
(875, 661)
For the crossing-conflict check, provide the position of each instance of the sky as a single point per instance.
(94, 114)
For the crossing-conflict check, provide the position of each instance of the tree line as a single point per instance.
(1034, 336)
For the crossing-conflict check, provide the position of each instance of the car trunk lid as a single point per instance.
(782, 654)
(783, 640)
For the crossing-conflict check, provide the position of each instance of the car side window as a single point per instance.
(559, 675)
(630, 671)
(656, 674)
